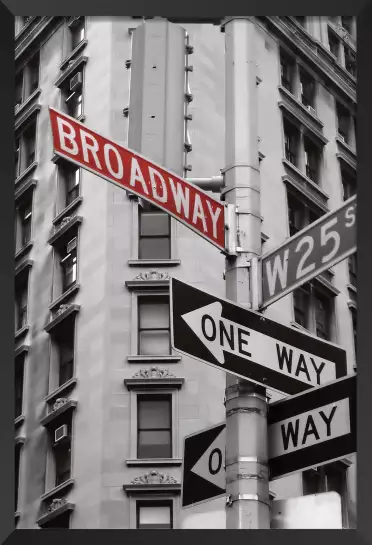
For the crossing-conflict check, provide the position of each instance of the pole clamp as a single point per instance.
(245, 410)
(231, 498)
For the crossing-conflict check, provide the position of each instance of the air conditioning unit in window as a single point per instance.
(76, 81)
(311, 110)
(71, 245)
(60, 433)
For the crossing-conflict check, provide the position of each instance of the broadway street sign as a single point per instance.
(313, 428)
(131, 171)
(203, 470)
(247, 344)
(313, 250)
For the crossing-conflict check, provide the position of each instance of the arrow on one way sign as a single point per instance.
(249, 345)
(203, 473)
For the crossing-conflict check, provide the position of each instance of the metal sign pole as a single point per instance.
(247, 486)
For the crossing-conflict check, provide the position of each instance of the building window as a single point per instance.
(346, 23)
(154, 233)
(334, 44)
(25, 149)
(291, 142)
(322, 316)
(77, 30)
(301, 19)
(21, 301)
(301, 301)
(344, 122)
(62, 452)
(17, 465)
(312, 160)
(154, 421)
(19, 379)
(354, 325)
(348, 184)
(72, 94)
(307, 86)
(287, 67)
(27, 81)
(350, 61)
(25, 218)
(70, 175)
(153, 325)
(154, 515)
(64, 342)
(299, 215)
(69, 264)
(353, 270)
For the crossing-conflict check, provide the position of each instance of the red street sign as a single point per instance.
(131, 171)
(313, 250)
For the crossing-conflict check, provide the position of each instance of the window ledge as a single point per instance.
(70, 70)
(19, 420)
(325, 284)
(74, 52)
(351, 288)
(21, 349)
(67, 386)
(306, 123)
(134, 285)
(25, 173)
(22, 107)
(70, 405)
(154, 262)
(346, 147)
(300, 327)
(315, 187)
(352, 304)
(68, 506)
(27, 186)
(21, 120)
(348, 159)
(24, 250)
(71, 309)
(19, 440)
(65, 212)
(25, 264)
(139, 383)
(21, 332)
(17, 515)
(136, 462)
(74, 221)
(131, 489)
(305, 193)
(64, 297)
(54, 491)
(297, 103)
(154, 359)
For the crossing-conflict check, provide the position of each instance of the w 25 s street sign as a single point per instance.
(313, 428)
(139, 175)
(247, 344)
(313, 250)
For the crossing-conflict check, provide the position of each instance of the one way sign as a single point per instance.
(203, 472)
(250, 345)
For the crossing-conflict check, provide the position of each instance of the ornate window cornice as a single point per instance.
(153, 482)
(149, 279)
(154, 376)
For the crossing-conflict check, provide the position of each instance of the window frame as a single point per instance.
(60, 254)
(156, 390)
(72, 25)
(150, 397)
(154, 503)
(140, 300)
(316, 292)
(22, 290)
(51, 473)
(54, 353)
(21, 363)
(21, 137)
(156, 211)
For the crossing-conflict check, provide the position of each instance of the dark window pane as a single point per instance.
(301, 301)
(343, 121)
(154, 413)
(291, 136)
(19, 88)
(17, 460)
(21, 304)
(62, 456)
(154, 248)
(312, 160)
(301, 19)
(154, 444)
(350, 61)
(322, 317)
(19, 377)
(25, 220)
(287, 71)
(334, 43)
(307, 85)
(69, 269)
(17, 157)
(29, 145)
(154, 224)
(296, 215)
(313, 482)
(354, 322)
(77, 33)
(34, 73)
(346, 22)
